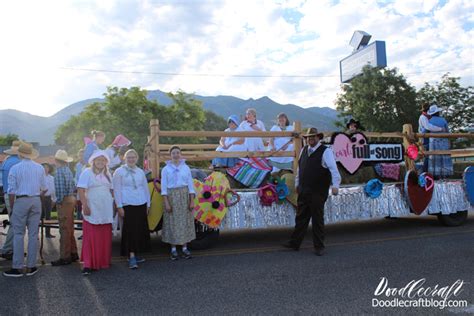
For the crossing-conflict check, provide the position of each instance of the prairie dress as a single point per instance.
(135, 233)
(96, 245)
(178, 226)
(440, 166)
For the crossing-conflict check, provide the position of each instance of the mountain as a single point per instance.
(41, 129)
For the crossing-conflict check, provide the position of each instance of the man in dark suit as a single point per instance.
(316, 170)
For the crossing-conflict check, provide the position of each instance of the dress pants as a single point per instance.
(310, 207)
(26, 213)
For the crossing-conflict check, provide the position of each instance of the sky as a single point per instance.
(288, 50)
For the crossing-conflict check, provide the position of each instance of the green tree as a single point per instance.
(381, 99)
(6, 140)
(456, 100)
(127, 111)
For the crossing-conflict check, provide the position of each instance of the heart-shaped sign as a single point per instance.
(213, 197)
(468, 178)
(350, 150)
(418, 197)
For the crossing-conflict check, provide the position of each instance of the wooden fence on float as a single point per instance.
(157, 152)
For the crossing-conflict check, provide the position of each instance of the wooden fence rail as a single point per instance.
(198, 152)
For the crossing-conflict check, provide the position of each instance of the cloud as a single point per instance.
(218, 39)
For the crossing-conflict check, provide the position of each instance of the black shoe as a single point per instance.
(50, 236)
(174, 255)
(13, 273)
(79, 238)
(319, 252)
(291, 245)
(74, 257)
(7, 256)
(60, 262)
(186, 254)
(31, 271)
(86, 271)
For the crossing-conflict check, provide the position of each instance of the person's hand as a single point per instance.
(148, 211)
(121, 212)
(86, 210)
(335, 191)
(168, 207)
(191, 205)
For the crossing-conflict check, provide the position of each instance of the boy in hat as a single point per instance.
(65, 204)
(25, 183)
(10, 161)
(316, 170)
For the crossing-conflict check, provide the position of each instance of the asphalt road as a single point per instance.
(249, 273)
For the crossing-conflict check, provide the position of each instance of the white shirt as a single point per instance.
(50, 189)
(230, 141)
(26, 178)
(130, 187)
(425, 125)
(253, 143)
(173, 176)
(114, 158)
(328, 162)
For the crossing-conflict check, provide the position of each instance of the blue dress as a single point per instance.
(440, 165)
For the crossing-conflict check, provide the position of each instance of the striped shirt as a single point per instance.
(63, 183)
(26, 178)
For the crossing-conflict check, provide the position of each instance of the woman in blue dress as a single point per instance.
(440, 166)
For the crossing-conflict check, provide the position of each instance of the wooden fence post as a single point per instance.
(155, 150)
(296, 145)
(408, 137)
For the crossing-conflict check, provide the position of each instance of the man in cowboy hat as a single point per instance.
(25, 183)
(316, 168)
(12, 159)
(66, 203)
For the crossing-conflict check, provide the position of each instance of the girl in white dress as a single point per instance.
(281, 144)
(251, 124)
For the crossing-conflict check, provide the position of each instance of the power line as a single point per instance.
(195, 74)
(227, 75)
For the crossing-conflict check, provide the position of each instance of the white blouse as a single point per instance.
(229, 141)
(130, 187)
(50, 190)
(173, 176)
(253, 143)
(114, 158)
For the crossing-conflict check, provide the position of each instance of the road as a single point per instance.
(249, 273)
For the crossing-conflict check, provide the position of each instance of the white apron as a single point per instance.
(100, 202)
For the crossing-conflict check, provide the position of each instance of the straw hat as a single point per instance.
(97, 154)
(313, 131)
(14, 149)
(26, 150)
(62, 156)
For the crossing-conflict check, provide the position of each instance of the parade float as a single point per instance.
(396, 188)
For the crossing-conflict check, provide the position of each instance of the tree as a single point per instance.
(128, 112)
(8, 139)
(457, 101)
(381, 99)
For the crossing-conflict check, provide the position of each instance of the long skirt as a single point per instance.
(135, 233)
(178, 226)
(440, 166)
(96, 245)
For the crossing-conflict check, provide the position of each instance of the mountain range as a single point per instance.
(41, 129)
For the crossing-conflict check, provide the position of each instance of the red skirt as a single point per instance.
(96, 245)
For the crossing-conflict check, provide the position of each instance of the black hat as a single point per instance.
(357, 123)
